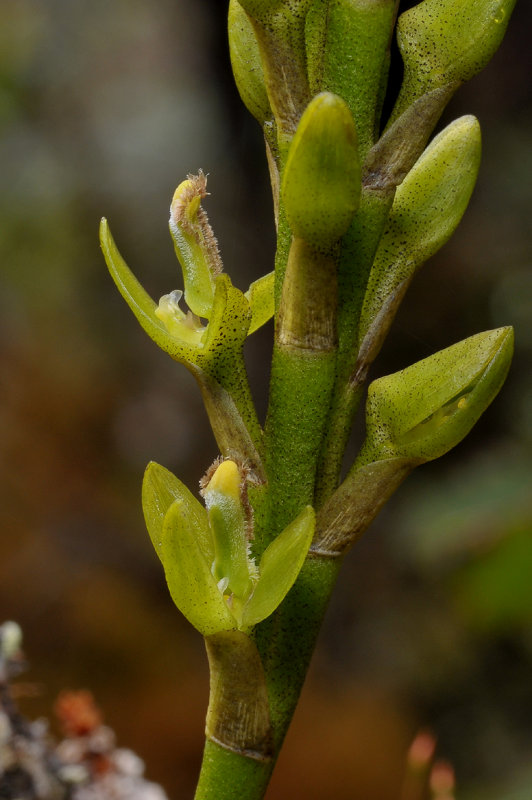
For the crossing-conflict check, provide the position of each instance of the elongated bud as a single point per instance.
(230, 522)
(427, 208)
(247, 64)
(321, 183)
(425, 410)
(195, 244)
(447, 41)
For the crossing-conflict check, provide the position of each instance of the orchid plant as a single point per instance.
(361, 202)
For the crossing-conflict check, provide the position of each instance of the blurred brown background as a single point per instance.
(104, 107)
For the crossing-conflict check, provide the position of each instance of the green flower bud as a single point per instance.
(447, 41)
(427, 208)
(210, 573)
(424, 410)
(247, 64)
(321, 183)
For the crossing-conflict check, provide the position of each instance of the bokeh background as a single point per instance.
(104, 107)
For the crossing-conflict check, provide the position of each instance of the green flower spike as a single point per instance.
(211, 575)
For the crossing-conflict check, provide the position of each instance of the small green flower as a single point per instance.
(211, 575)
(216, 309)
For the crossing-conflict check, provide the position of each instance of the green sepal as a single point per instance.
(229, 318)
(139, 301)
(247, 64)
(160, 489)
(279, 567)
(426, 210)
(443, 41)
(321, 183)
(348, 53)
(426, 409)
(260, 298)
(192, 586)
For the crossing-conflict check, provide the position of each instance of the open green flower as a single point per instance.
(217, 310)
(205, 552)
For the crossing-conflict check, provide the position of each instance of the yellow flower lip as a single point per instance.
(226, 480)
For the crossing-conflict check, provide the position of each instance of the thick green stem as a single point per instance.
(285, 642)
(226, 775)
(287, 639)
(358, 251)
(301, 382)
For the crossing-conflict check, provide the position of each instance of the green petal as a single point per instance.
(161, 488)
(260, 298)
(279, 567)
(195, 245)
(188, 574)
(139, 300)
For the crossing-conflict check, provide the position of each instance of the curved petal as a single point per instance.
(139, 301)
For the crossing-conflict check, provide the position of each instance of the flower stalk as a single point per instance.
(361, 202)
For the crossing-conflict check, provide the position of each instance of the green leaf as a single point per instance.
(160, 489)
(260, 298)
(321, 183)
(279, 567)
(188, 574)
(426, 409)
